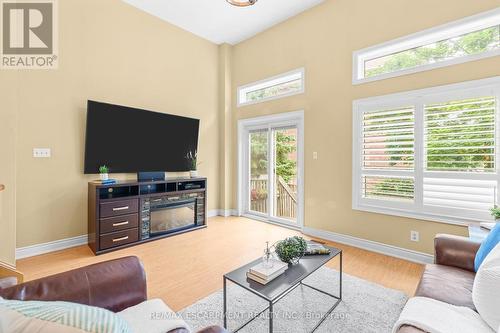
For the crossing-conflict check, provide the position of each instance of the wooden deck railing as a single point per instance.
(286, 198)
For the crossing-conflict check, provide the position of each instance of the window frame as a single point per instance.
(422, 38)
(247, 87)
(419, 98)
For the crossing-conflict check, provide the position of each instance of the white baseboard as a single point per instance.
(222, 212)
(390, 250)
(34, 250)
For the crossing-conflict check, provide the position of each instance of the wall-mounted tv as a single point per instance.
(130, 140)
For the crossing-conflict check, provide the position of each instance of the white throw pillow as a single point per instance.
(152, 316)
(486, 290)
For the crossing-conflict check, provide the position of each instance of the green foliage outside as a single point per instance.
(285, 145)
(471, 43)
(280, 89)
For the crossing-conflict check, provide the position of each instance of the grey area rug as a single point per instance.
(366, 307)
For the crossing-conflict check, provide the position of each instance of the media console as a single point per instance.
(132, 212)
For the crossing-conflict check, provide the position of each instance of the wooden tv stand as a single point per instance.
(119, 215)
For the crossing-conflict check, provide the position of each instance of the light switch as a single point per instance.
(315, 155)
(41, 152)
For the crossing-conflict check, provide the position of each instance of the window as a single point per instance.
(429, 154)
(283, 85)
(468, 39)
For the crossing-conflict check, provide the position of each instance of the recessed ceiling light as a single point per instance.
(242, 3)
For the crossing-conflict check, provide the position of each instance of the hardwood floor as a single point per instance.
(185, 268)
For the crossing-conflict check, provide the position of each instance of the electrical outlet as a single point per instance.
(315, 155)
(414, 236)
(41, 152)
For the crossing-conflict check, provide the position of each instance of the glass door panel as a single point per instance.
(259, 171)
(284, 189)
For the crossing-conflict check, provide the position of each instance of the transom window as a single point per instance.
(430, 153)
(468, 39)
(283, 85)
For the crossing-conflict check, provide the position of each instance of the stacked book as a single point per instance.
(264, 274)
(314, 248)
(105, 182)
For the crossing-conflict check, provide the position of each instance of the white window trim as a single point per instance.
(419, 97)
(263, 83)
(455, 28)
(295, 118)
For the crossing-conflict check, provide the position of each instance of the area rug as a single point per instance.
(366, 307)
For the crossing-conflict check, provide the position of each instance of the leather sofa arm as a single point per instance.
(114, 285)
(455, 251)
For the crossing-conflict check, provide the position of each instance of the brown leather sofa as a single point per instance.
(451, 277)
(114, 285)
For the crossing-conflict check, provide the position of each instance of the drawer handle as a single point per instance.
(120, 239)
(120, 224)
(120, 208)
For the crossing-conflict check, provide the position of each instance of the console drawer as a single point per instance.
(119, 238)
(121, 207)
(117, 223)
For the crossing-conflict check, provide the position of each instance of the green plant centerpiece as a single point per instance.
(291, 249)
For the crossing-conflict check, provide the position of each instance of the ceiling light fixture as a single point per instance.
(242, 3)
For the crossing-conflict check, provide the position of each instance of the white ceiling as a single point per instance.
(220, 22)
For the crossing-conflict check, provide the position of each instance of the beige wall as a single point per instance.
(322, 40)
(8, 127)
(225, 107)
(113, 52)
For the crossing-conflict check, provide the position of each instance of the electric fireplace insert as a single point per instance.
(171, 214)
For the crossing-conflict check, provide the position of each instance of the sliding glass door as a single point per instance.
(271, 177)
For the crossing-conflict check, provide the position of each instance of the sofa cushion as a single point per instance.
(152, 316)
(486, 291)
(447, 284)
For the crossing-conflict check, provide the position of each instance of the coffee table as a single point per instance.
(282, 285)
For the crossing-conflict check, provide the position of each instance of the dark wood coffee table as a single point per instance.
(282, 285)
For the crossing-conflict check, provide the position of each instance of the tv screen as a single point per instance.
(132, 140)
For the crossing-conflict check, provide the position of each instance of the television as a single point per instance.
(129, 140)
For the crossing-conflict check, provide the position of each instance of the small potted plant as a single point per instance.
(495, 212)
(103, 172)
(192, 158)
(291, 249)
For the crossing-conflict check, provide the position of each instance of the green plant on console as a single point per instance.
(291, 249)
(103, 169)
(192, 158)
(495, 212)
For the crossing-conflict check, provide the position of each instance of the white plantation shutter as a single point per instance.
(464, 198)
(460, 137)
(387, 139)
(433, 157)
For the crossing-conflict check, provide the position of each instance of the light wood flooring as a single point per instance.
(185, 268)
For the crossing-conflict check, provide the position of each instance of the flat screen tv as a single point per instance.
(133, 140)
